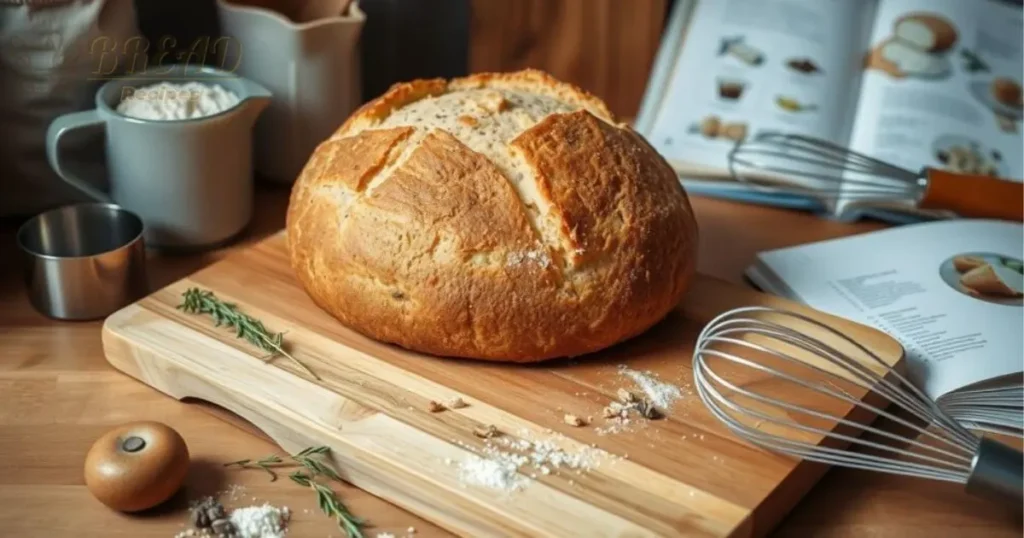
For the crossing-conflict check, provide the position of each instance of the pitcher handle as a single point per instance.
(58, 128)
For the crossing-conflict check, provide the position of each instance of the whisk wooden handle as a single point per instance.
(974, 196)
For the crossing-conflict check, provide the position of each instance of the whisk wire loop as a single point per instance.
(834, 456)
(838, 420)
(863, 376)
(905, 392)
(751, 339)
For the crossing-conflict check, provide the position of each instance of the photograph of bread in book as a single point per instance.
(943, 92)
(986, 276)
(918, 47)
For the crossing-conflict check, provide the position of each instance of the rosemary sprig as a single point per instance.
(198, 301)
(330, 504)
(314, 465)
(309, 459)
(263, 463)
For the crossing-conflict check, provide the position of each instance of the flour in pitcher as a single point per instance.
(166, 101)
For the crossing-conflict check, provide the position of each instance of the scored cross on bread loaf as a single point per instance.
(497, 216)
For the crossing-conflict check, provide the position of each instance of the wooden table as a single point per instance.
(57, 395)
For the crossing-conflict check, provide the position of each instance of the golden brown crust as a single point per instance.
(536, 81)
(532, 80)
(442, 253)
(353, 161)
(624, 213)
(397, 96)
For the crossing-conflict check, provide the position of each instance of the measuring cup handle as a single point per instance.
(58, 128)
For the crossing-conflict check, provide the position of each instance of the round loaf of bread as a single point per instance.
(498, 216)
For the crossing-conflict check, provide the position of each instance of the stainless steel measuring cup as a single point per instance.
(83, 261)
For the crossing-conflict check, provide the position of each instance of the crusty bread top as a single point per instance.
(497, 216)
(525, 84)
(494, 108)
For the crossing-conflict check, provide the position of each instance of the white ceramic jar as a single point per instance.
(310, 65)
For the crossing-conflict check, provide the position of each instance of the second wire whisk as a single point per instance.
(792, 391)
(806, 166)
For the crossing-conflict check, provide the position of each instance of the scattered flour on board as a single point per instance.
(661, 394)
(508, 463)
(497, 473)
(621, 424)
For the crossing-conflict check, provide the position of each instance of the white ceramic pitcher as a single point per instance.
(311, 65)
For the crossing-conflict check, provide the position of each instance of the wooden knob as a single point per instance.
(136, 466)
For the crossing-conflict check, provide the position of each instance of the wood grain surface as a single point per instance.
(58, 394)
(604, 46)
(683, 475)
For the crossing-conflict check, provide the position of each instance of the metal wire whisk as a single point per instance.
(807, 166)
(791, 392)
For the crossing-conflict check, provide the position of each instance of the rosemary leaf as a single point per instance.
(331, 505)
(196, 301)
(299, 478)
(264, 463)
(326, 498)
(328, 472)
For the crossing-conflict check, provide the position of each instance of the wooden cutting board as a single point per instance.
(681, 475)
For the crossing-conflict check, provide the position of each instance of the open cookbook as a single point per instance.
(952, 292)
(915, 83)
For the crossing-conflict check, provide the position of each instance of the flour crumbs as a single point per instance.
(265, 521)
(510, 463)
(661, 394)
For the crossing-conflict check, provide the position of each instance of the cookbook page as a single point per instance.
(949, 291)
(942, 87)
(746, 66)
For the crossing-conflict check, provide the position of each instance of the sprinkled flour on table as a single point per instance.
(265, 521)
(234, 492)
(661, 394)
(210, 519)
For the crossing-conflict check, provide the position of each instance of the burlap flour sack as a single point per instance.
(51, 63)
